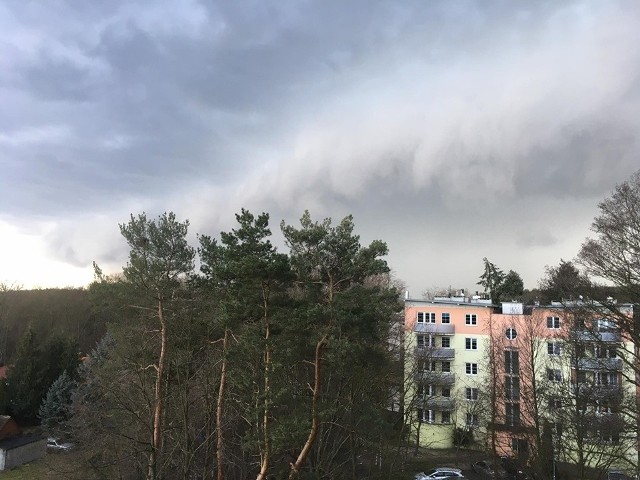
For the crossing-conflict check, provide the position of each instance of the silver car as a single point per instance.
(440, 473)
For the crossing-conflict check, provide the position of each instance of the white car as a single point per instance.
(54, 444)
(440, 473)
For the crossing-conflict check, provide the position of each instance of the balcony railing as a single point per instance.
(435, 352)
(439, 403)
(438, 328)
(436, 378)
(597, 336)
(592, 363)
(600, 392)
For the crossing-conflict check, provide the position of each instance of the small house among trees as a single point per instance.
(17, 449)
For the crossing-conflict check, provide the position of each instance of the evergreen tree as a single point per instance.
(491, 279)
(159, 261)
(56, 406)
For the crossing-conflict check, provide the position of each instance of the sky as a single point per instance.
(452, 130)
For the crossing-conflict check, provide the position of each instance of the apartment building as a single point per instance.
(521, 380)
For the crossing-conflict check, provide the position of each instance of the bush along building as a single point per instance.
(534, 382)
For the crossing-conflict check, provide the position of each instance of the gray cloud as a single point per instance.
(461, 118)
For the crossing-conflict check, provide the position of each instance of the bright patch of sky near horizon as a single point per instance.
(453, 130)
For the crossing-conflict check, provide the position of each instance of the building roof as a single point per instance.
(18, 441)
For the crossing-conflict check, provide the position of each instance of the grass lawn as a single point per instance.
(53, 465)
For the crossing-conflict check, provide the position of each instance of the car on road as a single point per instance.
(57, 446)
(440, 473)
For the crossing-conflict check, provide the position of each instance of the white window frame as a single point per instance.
(472, 420)
(448, 414)
(471, 394)
(511, 333)
(515, 417)
(445, 317)
(471, 319)
(425, 341)
(607, 378)
(554, 374)
(427, 390)
(553, 323)
(471, 368)
(426, 317)
(429, 366)
(427, 416)
(471, 343)
(448, 341)
(554, 348)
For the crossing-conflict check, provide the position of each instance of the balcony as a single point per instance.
(597, 336)
(436, 378)
(591, 363)
(437, 328)
(611, 393)
(439, 403)
(435, 353)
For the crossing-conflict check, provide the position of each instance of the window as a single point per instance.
(512, 388)
(472, 420)
(512, 411)
(606, 378)
(446, 417)
(446, 318)
(426, 390)
(470, 343)
(428, 416)
(553, 348)
(471, 368)
(606, 325)
(426, 317)
(446, 342)
(446, 367)
(426, 341)
(554, 375)
(581, 377)
(511, 333)
(555, 403)
(603, 408)
(470, 319)
(605, 352)
(511, 362)
(519, 446)
(553, 322)
(428, 366)
(446, 392)
(608, 436)
(471, 394)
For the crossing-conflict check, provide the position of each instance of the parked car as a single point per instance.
(440, 473)
(485, 469)
(56, 445)
(618, 475)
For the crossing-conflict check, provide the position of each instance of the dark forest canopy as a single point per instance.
(64, 311)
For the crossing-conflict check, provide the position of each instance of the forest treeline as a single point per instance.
(258, 364)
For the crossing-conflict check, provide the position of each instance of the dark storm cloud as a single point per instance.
(463, 115)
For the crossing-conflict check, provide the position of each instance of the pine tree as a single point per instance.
(56, 406)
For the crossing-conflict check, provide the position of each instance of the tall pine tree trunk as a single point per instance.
(158, 407)
(266, 448)
(315, 420)
(220, 410)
